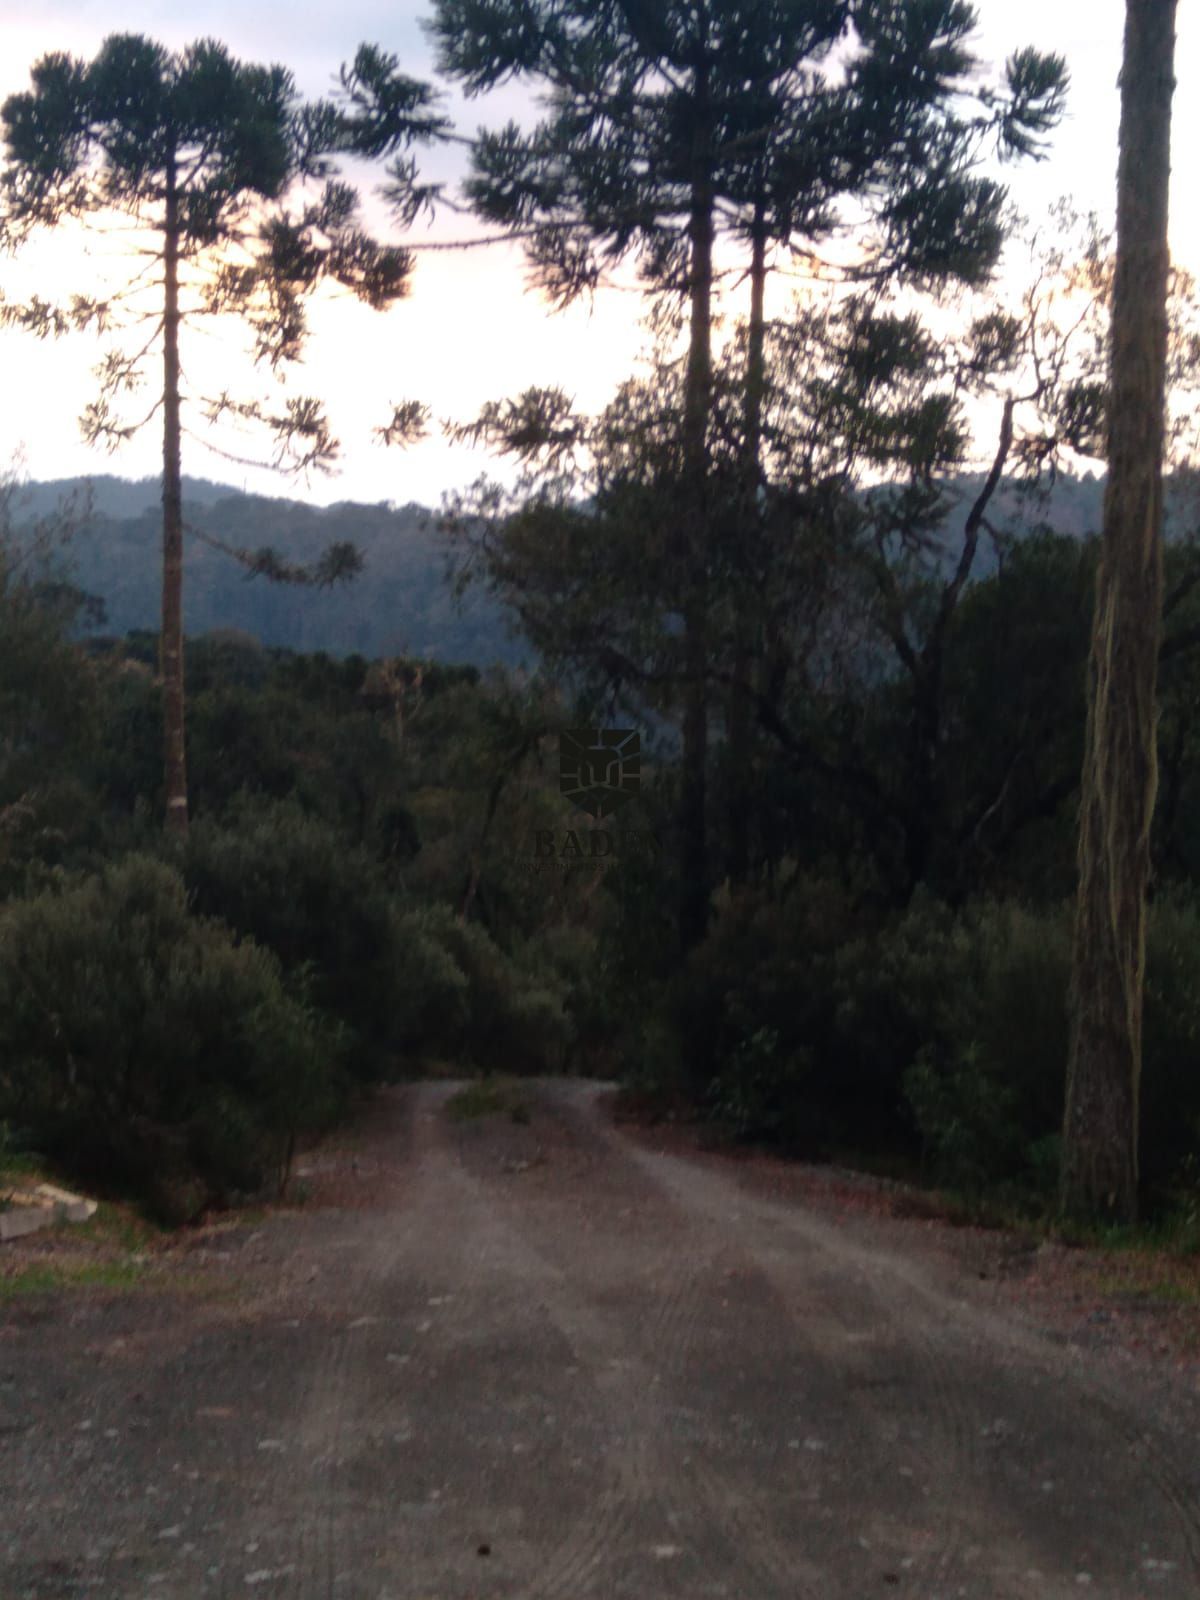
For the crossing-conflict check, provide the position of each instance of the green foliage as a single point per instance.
(193, 144)
(336, 760)
(930, 1029)
(757, 1094)
(972, 1013)
(631, 93)
(978, 1006)
(49, 694)
(409, 982)
(1011, 793)
(144, 1046)
(652, 1065)
(965, 1114)
(762, 989)
(294, 884)
(15, 1155)
(431, 993)
(936, 1030)
(505, 1018)
(570, 961)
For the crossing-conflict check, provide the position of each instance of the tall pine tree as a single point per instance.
(202, 153)
(671, 125)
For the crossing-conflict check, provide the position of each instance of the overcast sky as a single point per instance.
(470, 332)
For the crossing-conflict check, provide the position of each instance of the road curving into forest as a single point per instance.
(546, 1361)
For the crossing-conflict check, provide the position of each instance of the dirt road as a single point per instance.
(548, 1362)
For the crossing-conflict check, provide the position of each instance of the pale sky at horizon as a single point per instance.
(469, 332)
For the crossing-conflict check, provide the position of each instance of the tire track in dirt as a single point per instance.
(284, 1543)
(794, 1279)
(628, 1359)
(658, 1346)
(422, 1225)
(444, 1236)
(621, 1389)
(940, 1330)
(675, 1328)
(925, 1362)
(1173, 1485)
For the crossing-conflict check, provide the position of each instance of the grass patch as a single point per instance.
(1148, 1279)
(488, 1097)
(47, 1277)
(1170, 1235)
(119, 1226)
(126, 1274)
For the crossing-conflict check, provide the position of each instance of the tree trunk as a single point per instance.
(740, 725)
(171, 640)
(1119, 781)
(694, 884)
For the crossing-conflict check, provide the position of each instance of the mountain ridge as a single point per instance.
(402, 602)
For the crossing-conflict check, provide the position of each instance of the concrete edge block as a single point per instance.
(16, 1224)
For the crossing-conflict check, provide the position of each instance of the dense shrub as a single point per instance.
(761, 1092)
(975, 1006)
(941, 1031)
(497, 1015)
(937, 1031)
(410, 982)
(293, 883)
(143, 1045)
(571, 962)
(760, 992)
(431, 993)
(987, 1084)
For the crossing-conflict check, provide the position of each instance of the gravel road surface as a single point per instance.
(548, 1361)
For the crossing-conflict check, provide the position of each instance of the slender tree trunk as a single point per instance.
(171, 641)
(739, 724)
(1100, 1128)
(694, 886)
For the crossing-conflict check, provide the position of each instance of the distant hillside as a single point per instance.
(1071, 506)
(114, 497)
(400, 603)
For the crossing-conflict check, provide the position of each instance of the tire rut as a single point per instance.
(638, 1364)
(604, 1373)
(921, 1363)
(939, 1330)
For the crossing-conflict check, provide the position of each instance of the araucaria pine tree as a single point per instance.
(675, 131)
(209, 158)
